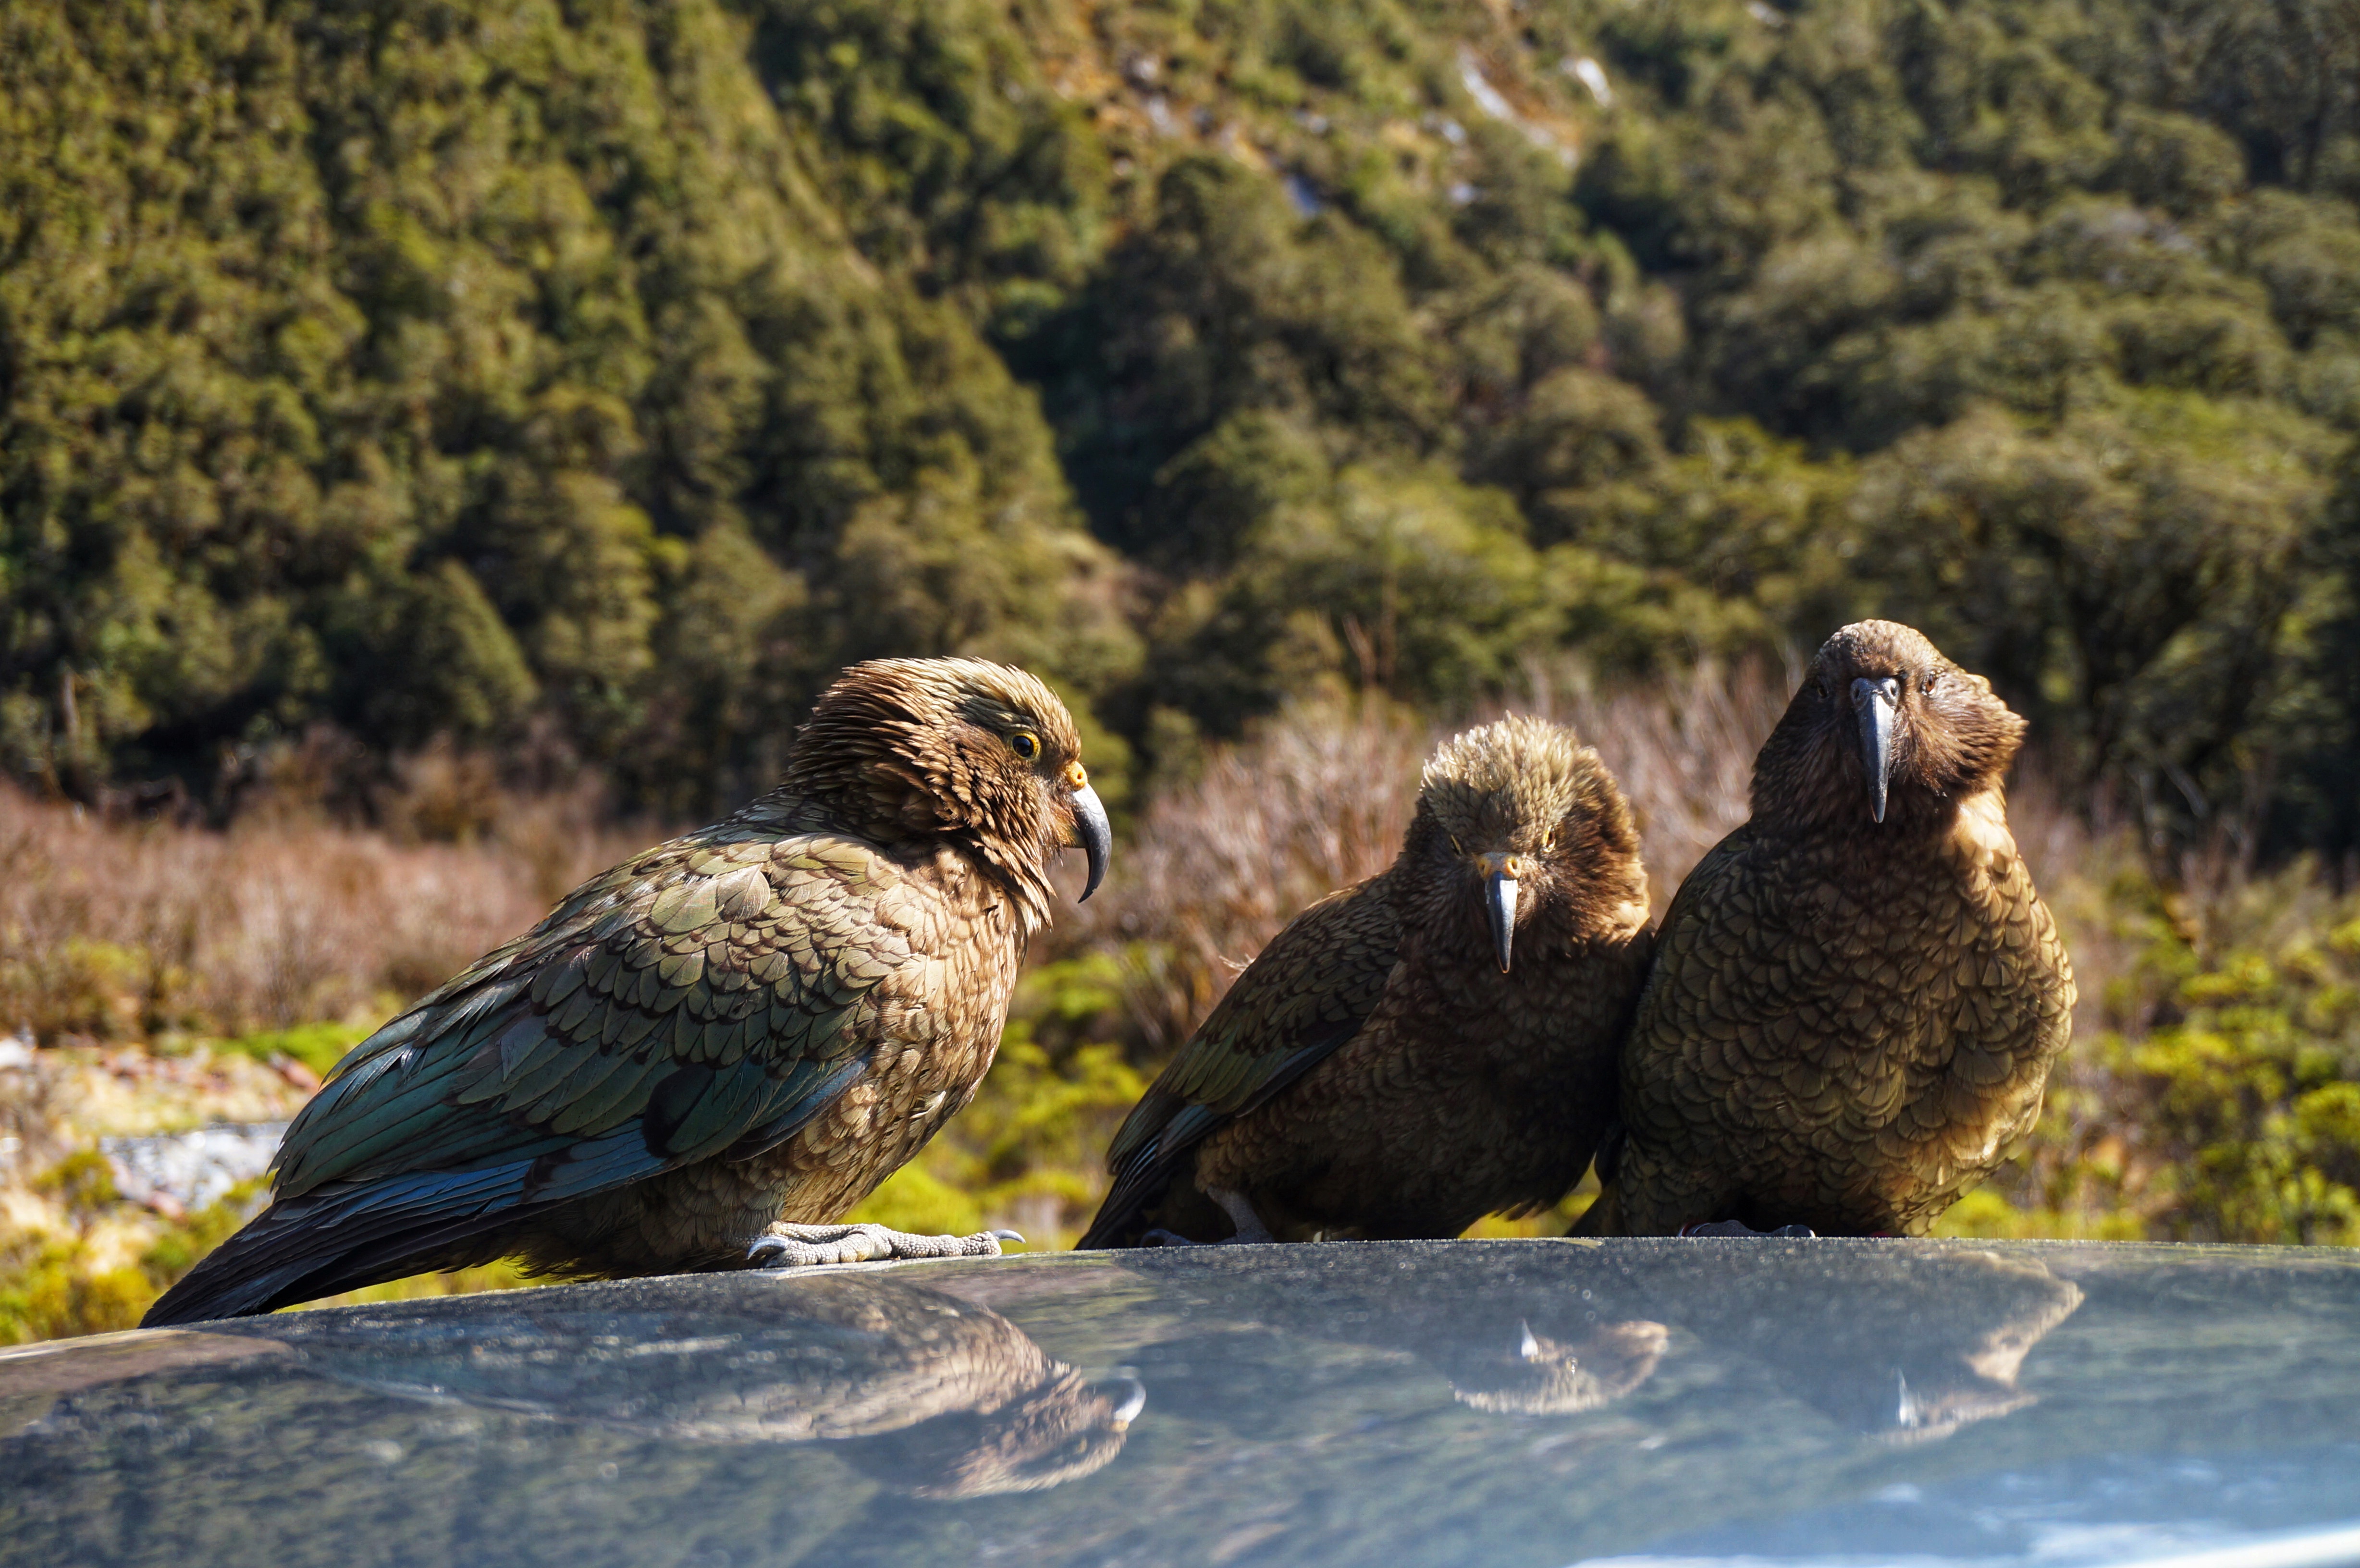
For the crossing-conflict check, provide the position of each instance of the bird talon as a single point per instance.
(1734, 1227)
(805, 1246)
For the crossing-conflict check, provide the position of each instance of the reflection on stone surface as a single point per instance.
(34, 1376)
(1539, 1376)
(1906, 1344)
(1905, 1349)
(1512, 1404)
(929, 1394)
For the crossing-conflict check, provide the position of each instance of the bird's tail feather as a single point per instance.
(343, 1236)
(1123, 1217)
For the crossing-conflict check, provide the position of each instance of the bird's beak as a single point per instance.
(1092, 836)
(1874, 701)
(1499, 903)
(1133, 1401)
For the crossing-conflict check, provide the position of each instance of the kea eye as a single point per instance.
(1549, 841)
(1025, 744)
(1928, 689)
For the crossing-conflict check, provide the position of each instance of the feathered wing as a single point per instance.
(702, 999)
(1704, 989)
(1308, 992)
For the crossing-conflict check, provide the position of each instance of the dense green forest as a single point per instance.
(587, 381)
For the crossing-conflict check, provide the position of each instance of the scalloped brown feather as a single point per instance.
(1848, 1022)
(1372, 1073)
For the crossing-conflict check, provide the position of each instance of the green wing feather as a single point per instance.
(748, 960)
(1308, 992)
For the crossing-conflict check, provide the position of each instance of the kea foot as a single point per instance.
(795, 1245)
(1242, 1215)
(1731, 1227)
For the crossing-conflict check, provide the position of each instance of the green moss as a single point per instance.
(2223, 1104)
(317, 1046)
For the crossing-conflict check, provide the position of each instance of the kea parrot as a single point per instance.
(1430, 1046)
(703, 1057)
(1857, 994)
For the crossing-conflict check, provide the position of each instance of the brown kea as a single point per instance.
(1857, 994)
(1429, 1047)
(928, 1392)
(718, 1046)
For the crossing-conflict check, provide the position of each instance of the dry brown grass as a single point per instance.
(116, 931)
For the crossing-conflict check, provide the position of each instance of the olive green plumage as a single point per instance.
(1430, 1046)
(1857, 995)
(727, 1036)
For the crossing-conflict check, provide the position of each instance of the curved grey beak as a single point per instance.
(1500, 906)
(1873, 702)
(1092, 836)
(1134, 1401)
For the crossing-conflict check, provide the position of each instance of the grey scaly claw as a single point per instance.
(804, 1245)
(1734, 1227)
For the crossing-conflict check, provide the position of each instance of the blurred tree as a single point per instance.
(609, 372)
(393, 364)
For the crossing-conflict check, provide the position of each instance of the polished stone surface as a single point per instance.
(1540, 1403)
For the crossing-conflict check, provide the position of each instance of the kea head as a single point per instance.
(911, 749)
(1535, 1375)
(1884, 729)
(1518, 820)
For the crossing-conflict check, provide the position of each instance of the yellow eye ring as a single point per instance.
(1025, 744)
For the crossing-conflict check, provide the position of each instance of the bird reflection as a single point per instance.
(1538, 1375)
(1904, 1346)
(927, 1393)
(1903, 1342)
(1511, 1341)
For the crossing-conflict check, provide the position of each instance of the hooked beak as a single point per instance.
(1092, 836)
(1499, 903)
(1873, 702)
(1134, 1401)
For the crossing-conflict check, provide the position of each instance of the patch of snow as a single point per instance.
(1487, 97)
(190, 1171)
(1590, 74)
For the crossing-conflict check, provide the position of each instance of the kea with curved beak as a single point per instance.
(705, 1056)
(1433, 1045)
(1857, 995)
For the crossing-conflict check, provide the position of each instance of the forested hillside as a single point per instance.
(585, 382)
